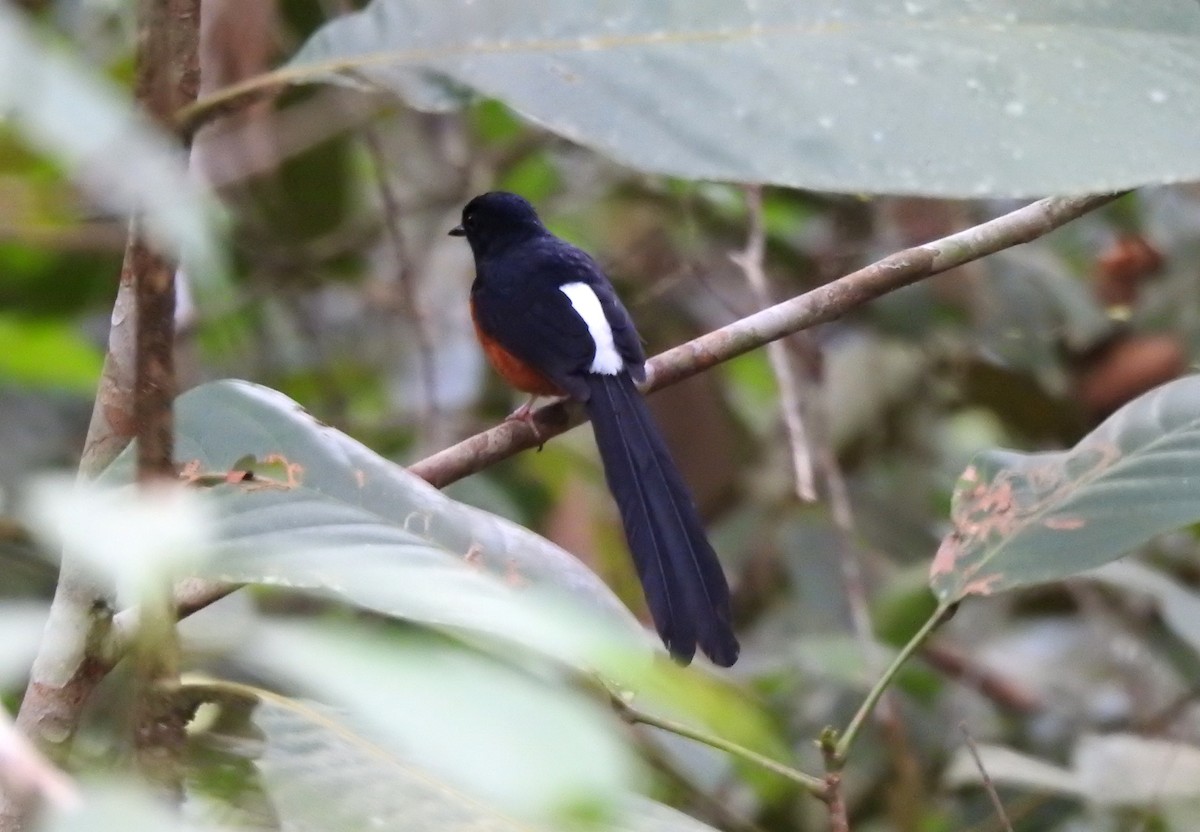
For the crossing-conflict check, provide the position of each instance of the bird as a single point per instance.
(551, 324)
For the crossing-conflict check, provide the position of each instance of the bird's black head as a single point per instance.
(494, 220)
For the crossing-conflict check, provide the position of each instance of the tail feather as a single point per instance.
(680, 574)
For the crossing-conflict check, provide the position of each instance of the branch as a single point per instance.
(73, 657)
(988, 785)
(811, 784)
(816, 307)
(154, 363)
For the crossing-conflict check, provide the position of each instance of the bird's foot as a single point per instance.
(524, 413)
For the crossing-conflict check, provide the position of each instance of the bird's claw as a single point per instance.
(525, 414)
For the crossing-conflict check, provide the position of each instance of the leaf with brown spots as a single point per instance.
(1025, 518)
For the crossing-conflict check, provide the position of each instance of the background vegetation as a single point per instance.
(916, 606)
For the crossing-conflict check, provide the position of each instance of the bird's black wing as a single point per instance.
(518, 302)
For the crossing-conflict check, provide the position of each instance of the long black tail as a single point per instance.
(681, 576)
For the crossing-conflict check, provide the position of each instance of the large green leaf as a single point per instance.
(940, 97)
(65, 110)
(416, 705)
(329, 515)
(323, 492)
(391, 571)
(115, 807)
(323, 773)
(1023, 518)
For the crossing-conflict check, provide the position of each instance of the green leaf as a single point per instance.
(321, 772)
(531, 745)
(325, 513)
(136, 540)
(113, 808)
(124, 163)
(317, 490)
(393, 572)
(930, 98)
(1025, 518)
(48, 354)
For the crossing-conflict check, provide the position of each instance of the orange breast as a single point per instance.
(512, 369)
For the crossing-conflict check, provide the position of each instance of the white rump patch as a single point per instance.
(607, 360)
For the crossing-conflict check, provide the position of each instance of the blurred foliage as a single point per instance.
(348, 297)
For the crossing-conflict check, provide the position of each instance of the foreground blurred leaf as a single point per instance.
(321, 774)
(316, 489)
(325, 513)
(63, 108)
(138, 540)
(115, 809)
(1024, 518)
(1114, 770)
(825, 95)
(399, 574)
(537, 748)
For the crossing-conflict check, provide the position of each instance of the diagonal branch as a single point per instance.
(816, 307)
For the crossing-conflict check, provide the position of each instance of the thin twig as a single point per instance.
(410, 302)
(905, 789)
(704, 800)
(634, 716)
(823, 304)
(751, 260)
(988, 786)
(846, 740)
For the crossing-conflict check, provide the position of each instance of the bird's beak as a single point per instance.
(458, 231)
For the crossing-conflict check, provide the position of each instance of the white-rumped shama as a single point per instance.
(551, 324)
